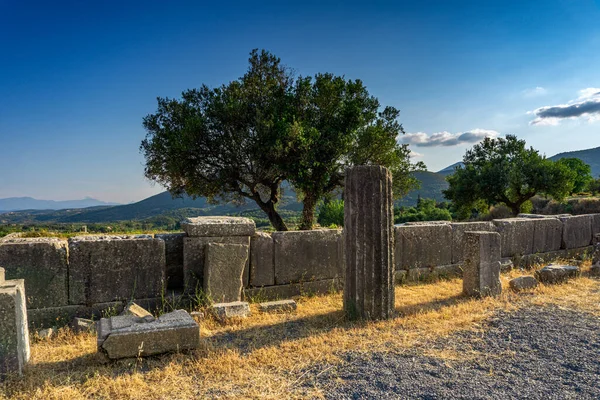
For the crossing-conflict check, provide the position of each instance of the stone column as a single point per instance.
(14, 334)
(481, 268)
(368, 241)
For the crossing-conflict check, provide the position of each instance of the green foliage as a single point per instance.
(426, 210)
(583, 173)
(242, 140)
(504, 171)
(594, 186)
(331, 213)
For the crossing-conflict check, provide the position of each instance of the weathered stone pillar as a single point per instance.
(368, 240)
(481, 268)
(14, 334)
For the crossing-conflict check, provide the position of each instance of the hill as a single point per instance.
(29, 203)
(450, 169)
(432, 184)
(589, 156)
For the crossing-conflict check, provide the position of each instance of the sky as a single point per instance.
(76, 78)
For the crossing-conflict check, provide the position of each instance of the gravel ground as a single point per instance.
(545, 353)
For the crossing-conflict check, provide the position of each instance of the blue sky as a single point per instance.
(76, 78)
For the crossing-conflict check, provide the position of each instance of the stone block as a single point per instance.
(262, 271)
(133, 309)
(128, 336)
(194, 257)
(577, 231)
(516, 235)
(547, 235)
(458, 232)
(523, 283)
(308, 255)
(481, 267)
(79, 325)
(14, 333)
(223, 271)
(42, 263)
(557, 273)
(218, 226)
(173, 258)
(109, 268)
(278, 306)
(279, 292)
(423, 246)
(2, 276)
(236, 309)
(595, 224)
(445, 271)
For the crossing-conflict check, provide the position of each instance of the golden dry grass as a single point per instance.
(276, 355)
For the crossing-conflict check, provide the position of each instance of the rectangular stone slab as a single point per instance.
(125, 336)
(481, 266)
(262, 270)
(422, 245)
(218, 226)
(109, 268)
(223, 271)
(547, 235)
(517, 235)
(301, 256)
(577, 231)
(173, 258)
(458, 231)
(14, 333)
(42, 263)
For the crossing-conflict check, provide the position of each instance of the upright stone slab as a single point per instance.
(458, 232)
(14, 334)
(262, 270)
(577, 231)
(423, 245)
(517, 235)
(223, 271)
(368, 239)
(481, 268)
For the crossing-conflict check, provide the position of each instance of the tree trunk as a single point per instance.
(308, 212)
(515, 208)
(274, 217)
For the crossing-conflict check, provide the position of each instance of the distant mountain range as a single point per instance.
(28, 210)
(29, 203)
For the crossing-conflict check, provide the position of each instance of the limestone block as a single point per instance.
(42, 263)
(557, 273)
(109, 268)
(308, 255)
(481, 267)
(577, 231)
(223, 271)
(218, 226)
(369, 243)
(547, 235)
(423, 246)
(128, 336)
(79, 325)
(595, 224)
(278, 306)
(517, 235)
(194, 257)
(262, 271)
(523, 283)
(310, 288)
(236, 309)
(458, 232)
(14, 333)
(173, 258)
(133, 309)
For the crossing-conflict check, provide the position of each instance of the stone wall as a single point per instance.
(90, 274)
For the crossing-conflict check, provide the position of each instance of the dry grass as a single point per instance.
(276, 355)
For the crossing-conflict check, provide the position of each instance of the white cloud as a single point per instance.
(444, 138)
(534, 92)
(586, 106)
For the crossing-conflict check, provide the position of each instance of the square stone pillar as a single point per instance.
(14, 334)
(368, 241)
(481, 267)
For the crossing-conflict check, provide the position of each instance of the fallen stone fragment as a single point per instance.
(523, 283)
(127, 336)
(506, 265)
(275, 306)
(557, 273)
(197, 314)
(46, 333)
(83, 325)
(136, 310)
(224, 311)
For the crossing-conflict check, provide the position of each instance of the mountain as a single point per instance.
(29, 203)
(432, 184)
(589, 156)
(450, 169)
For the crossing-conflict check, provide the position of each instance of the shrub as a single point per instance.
(331, 213)
(426, 210)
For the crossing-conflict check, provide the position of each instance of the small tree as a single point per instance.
(225, 143)
(505, 171)
(583, 173)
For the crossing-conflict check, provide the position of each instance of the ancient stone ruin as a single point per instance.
(14, 334)
(481, 268)
(368, 238)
